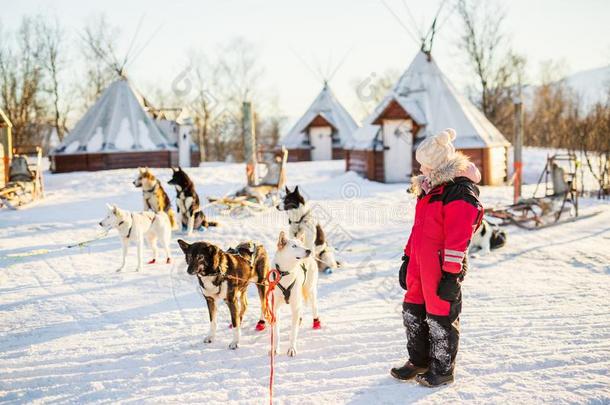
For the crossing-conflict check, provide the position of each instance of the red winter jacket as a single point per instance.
(447, 216)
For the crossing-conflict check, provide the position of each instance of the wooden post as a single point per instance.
(517, 145)
(249, 143)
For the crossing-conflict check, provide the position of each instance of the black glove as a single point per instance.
(402, 273)
(449, 286)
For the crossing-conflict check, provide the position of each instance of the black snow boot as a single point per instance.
(418, 346)
(407, 372)
(444, 340)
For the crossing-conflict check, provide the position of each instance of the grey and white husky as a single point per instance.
(137, 226)
(304, 225)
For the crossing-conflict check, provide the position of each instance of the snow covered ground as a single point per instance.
(535, 323)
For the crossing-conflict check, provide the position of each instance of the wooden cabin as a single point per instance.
(115, 133)
(321, 133)
(423, 103)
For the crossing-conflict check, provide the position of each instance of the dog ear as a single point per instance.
(282, 241)
(296, 189)
(110, 207)
(287, 190)
(174, 169)
(183, 245)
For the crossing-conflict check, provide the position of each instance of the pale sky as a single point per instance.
(574, 31)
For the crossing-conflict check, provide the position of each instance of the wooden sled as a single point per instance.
(25, 182)
(560, 201)
(259, 197)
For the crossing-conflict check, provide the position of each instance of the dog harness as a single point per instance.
(153, 187)
(253, 258)
(290, 222)
(150, 191)
(287, 290)
(130, 227)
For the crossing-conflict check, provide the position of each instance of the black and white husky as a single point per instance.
(187, 200)
(304, 225)
(487, 238)
(137, 226)
(298, 284)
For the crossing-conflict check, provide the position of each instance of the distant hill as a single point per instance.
(591, 85)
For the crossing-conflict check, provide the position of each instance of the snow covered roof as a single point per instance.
(116, 122)
(328, 107)
(434, 104)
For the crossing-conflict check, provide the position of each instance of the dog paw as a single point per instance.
(233, 345)
(276, 352)
(292, 352)
(208, 339)
(152, 261)
(119, 270)
(168, 260)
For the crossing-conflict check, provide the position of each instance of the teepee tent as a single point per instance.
(322, 132)
(423, 102)
(116, 132)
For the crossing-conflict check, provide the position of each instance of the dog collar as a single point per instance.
(290, 222)
(153, 188)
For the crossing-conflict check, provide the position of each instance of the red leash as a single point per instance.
(270, 315)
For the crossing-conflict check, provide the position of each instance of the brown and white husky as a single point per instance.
(155, 197)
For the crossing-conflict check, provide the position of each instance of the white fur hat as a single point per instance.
(436, 150)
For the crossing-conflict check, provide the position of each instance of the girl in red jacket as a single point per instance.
(447, 213)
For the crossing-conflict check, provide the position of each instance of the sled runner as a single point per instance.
(560, 201)
(261, 196)
(25, 182)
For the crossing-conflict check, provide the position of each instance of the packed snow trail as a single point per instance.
(535, 325)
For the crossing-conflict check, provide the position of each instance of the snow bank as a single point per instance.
(535, 325)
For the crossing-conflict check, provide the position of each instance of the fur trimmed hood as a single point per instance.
(458, 166)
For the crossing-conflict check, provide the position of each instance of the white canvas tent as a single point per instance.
(116, 124)
(322, 132)
(424, 102)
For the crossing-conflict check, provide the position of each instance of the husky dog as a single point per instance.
(259, 260)
(187, 201)
(303, 224)
(155, 197)
(137, 226)
(298, 283)
(225, 276)
(487, 238)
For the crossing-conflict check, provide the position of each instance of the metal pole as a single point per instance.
(249, 143)
(517, 145)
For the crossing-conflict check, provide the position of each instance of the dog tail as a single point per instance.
(172, 219)
(201, 221)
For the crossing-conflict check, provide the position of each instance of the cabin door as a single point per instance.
(398, 150)
(321, 143)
